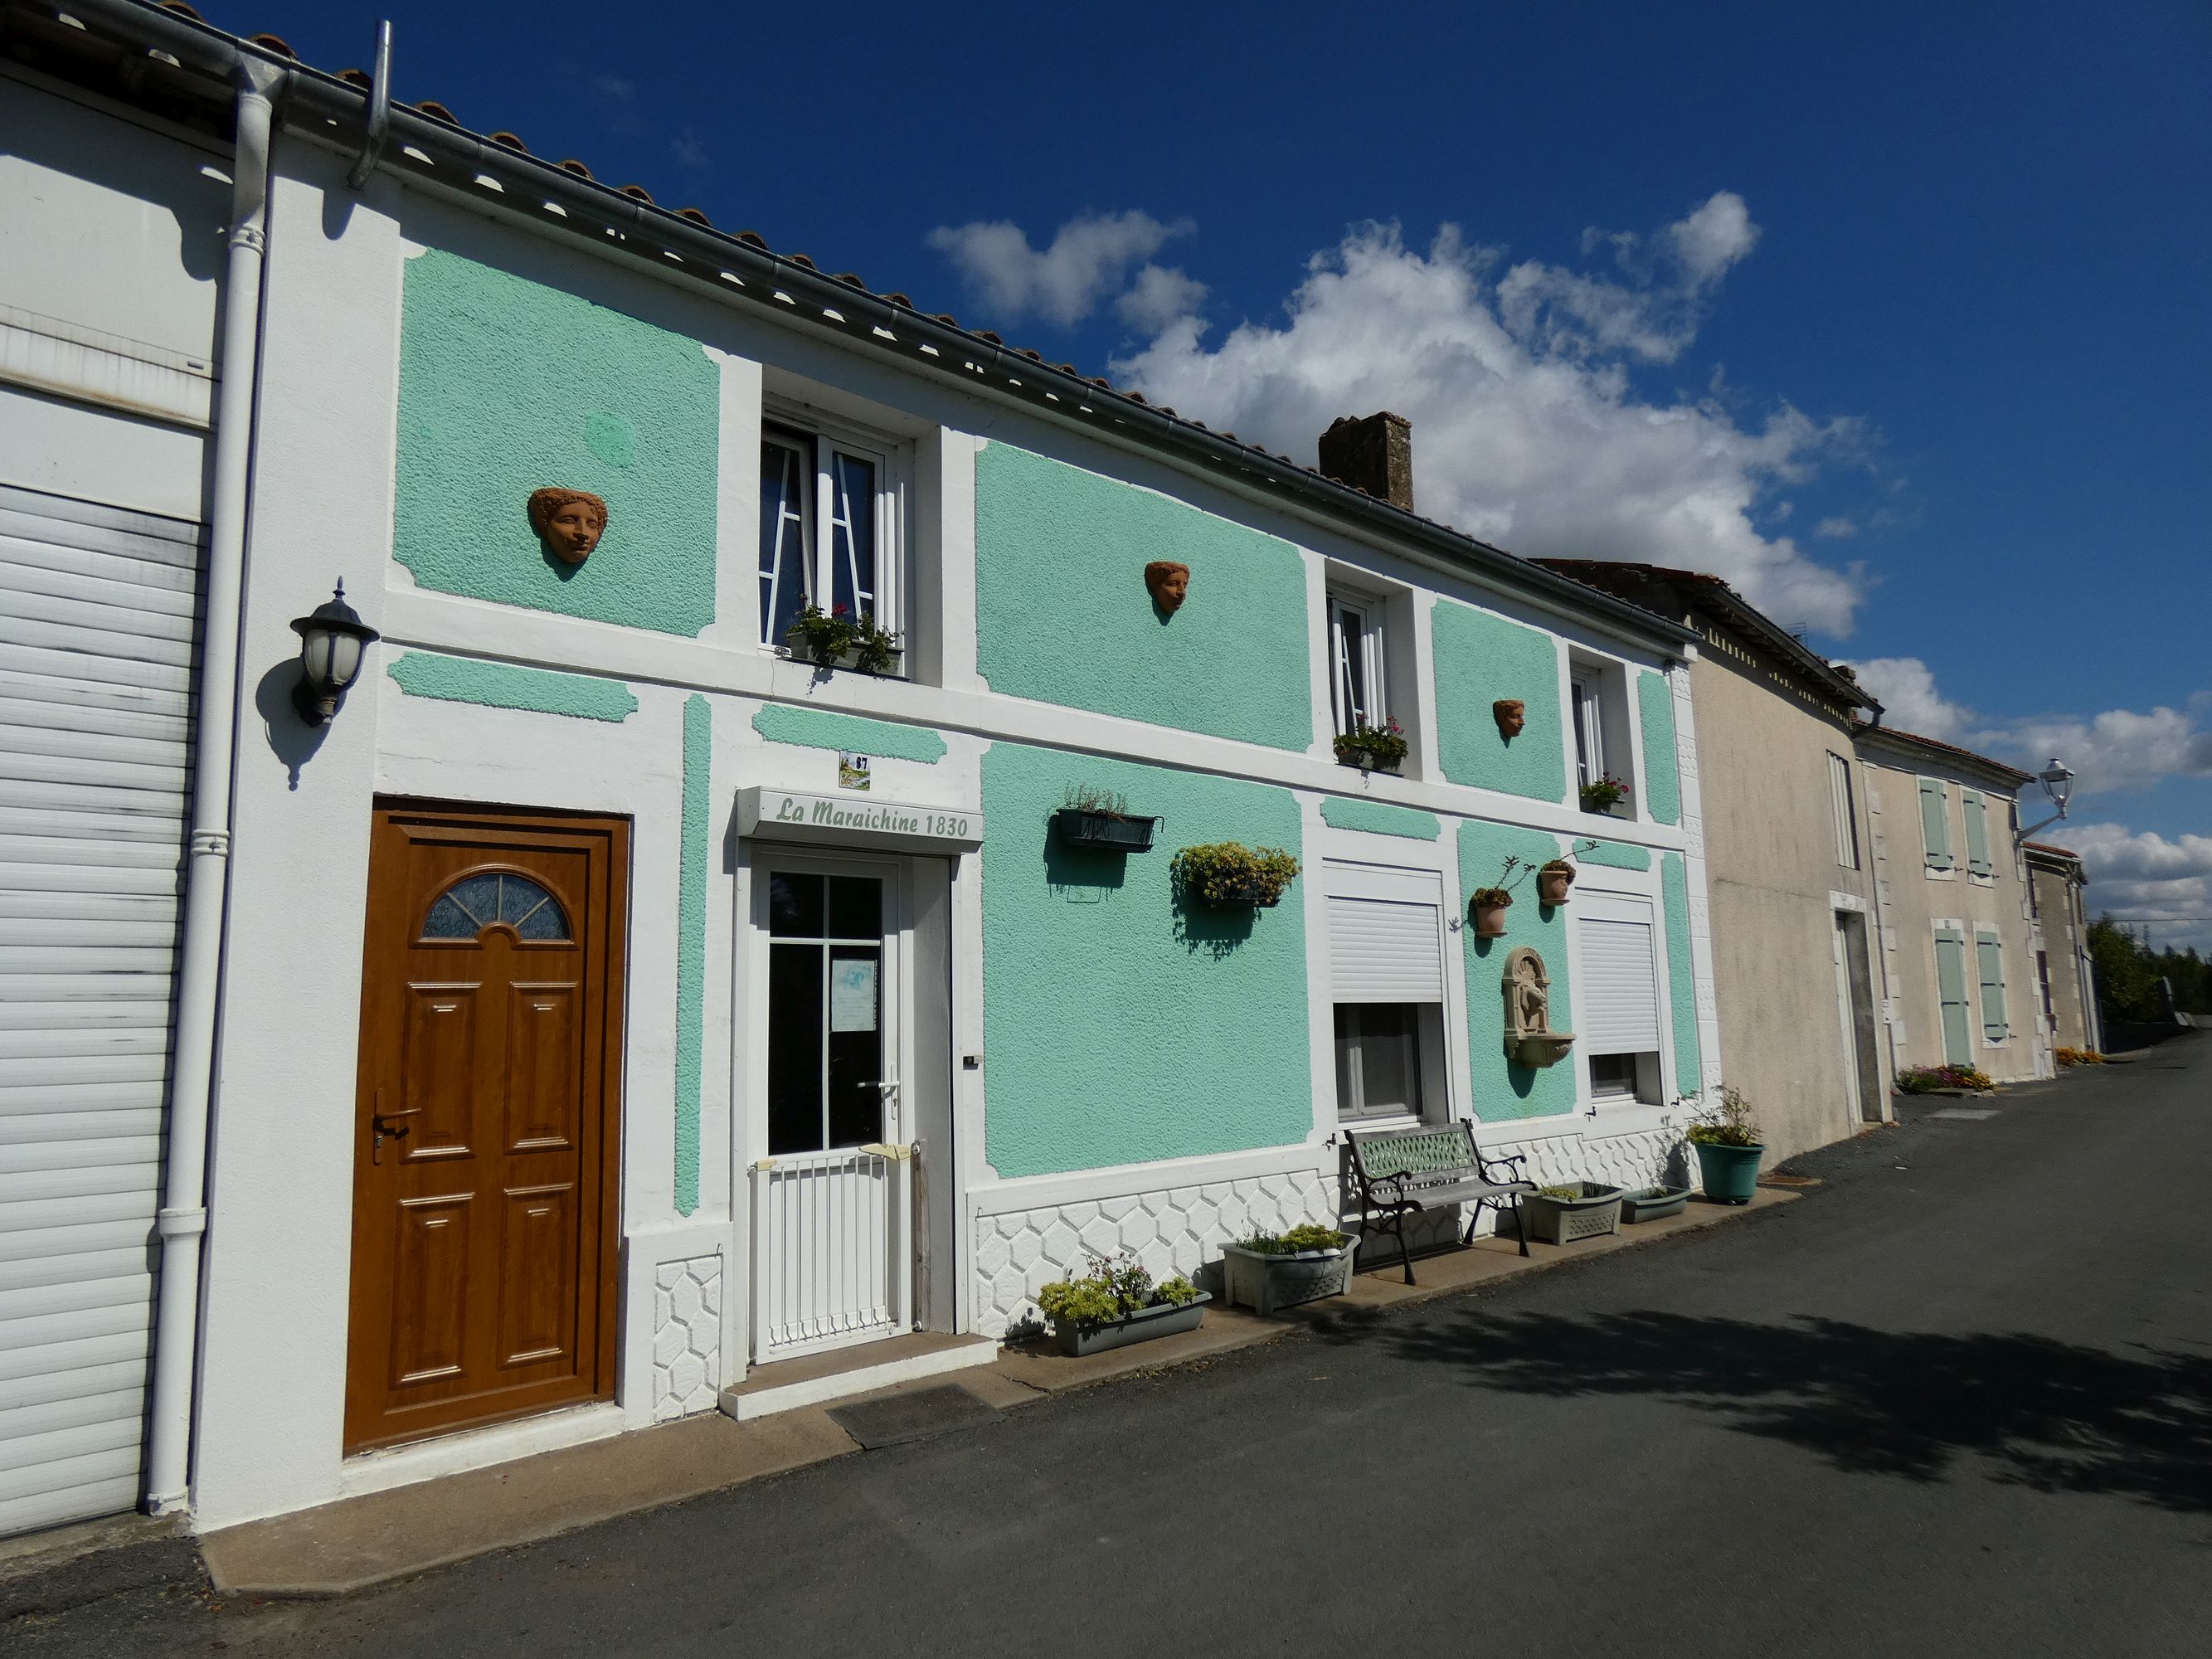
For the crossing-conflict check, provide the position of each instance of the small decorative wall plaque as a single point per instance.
(852, 770)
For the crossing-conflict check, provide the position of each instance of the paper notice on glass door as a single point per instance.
(851, 995)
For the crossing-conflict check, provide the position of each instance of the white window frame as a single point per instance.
(1586, 687)
(1370, 614)
(1431, 1099)
(818, 444)
(1840, 797)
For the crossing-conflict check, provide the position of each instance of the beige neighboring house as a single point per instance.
(2068, 981)
(1791, 883)
(1957, 925)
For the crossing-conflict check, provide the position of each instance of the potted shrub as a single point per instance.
(1606, 794)
(1100, 819)
(1228, 872)
(1553, 881)
(1280, 1270)
(1571, 1209)
(1117, 1303)
(833, 638)
(1372, 748)
(1652, 1204)
(1729, 1149)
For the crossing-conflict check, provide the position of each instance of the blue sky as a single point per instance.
(1894, 314)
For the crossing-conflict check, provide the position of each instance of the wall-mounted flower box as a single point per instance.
(1607, 795)
(1104, 832)
(1227, 874)
(836, 639)
(1372, 748)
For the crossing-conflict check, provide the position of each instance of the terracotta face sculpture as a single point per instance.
(568, 521)
(1511, 714)
(1169, 582)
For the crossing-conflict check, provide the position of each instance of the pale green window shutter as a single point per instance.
(1935, 824)
(1992, 956)
(1978, 833)
(1951, 999)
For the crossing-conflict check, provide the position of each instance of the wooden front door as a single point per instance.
(486, 1132)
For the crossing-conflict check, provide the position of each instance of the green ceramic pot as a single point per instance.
(1730, 1174)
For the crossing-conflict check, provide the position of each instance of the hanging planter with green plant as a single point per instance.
(1372, 748)
(1227, 874)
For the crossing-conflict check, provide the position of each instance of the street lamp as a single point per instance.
(2058, 781)
(332, 640)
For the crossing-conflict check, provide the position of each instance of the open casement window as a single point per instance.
(1935, 823)
(1355, 650)
(1840, 800)
(1978, 832)
(1989, 955)
(1387, 978)
(829, 530)
(1617, 984)
(1590, 729)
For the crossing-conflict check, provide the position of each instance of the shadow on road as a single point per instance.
(2050, 1416)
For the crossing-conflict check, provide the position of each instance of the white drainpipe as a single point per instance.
(183, 1218)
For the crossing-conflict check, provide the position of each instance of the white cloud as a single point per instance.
(2146, 877)
(1158, 295)
(1836, 529)
(1526, 430)
(1906, 688)
(1087, 261)
(2118, 749)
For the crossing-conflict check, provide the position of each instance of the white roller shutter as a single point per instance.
(1616, 978)
(1385, 934)
(98, 629)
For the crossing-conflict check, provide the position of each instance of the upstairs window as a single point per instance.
(1599, 716)
(1935, 824)
(829, 530)
(1355, 649)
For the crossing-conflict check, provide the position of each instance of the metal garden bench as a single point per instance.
(1402, 1172)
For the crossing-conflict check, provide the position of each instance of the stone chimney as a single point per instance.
(1375, 455)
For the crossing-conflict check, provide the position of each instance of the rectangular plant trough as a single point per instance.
(1104, 832)
(1163, 1319)
(1264, 1283)
(1653, 1203)
(1563, 1220)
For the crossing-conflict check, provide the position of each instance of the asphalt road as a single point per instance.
(1958, 1400)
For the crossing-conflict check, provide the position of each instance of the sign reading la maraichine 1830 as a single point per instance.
(779, 815)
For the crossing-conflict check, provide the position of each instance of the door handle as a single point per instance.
(381, 1123)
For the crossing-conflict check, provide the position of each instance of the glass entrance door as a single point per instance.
(833, 1234)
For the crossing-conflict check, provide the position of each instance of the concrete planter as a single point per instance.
(1652, 1204)
(1563, 1220)
(1161, 1319)
(1264, 1283)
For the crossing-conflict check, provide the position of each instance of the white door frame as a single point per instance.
(893, 871)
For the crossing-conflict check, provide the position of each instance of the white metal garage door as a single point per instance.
(98, 628)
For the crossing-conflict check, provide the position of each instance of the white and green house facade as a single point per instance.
(870, 1061)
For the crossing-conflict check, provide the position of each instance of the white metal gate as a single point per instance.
(97, 623)
(829, 1248)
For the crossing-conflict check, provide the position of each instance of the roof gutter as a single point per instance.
(581, 204)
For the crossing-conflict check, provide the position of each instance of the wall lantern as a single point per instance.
(331, 640)
(2058, 781)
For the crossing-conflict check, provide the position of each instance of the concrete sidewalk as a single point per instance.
(361, 1541)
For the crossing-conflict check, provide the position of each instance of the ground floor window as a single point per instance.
(1380, 1056)
(1617, 980)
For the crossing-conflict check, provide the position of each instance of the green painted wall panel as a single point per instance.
(506, 386)
(509, 686)
(1616, 854)
(1063, 616)
(820, 728)
(1662, 771)
(1379, 817)
(1505, 1089)
(692, 944)
(1480, 659)
(1681, 973)
(1122, 1028)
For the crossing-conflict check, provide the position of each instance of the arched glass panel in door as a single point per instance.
(475, 902)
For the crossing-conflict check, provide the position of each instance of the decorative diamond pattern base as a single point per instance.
(1181, 1230)
(687, 1337)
